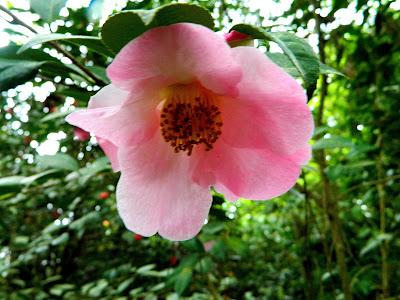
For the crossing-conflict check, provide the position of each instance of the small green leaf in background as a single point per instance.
(48, 9)
(298, 51)
(60, 240)
(183, 279)
(87, 220)
(375, 242)
(325, 69)
(123, 27)
(58, 161)
(11, 184)
(16, 183)
(56, 115)
(60, 289)
(332, 142)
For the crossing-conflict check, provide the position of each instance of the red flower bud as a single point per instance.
(104, 195)
(80, 134)
(173, 260)
(235, 36)
(138, 237)
(55, 214)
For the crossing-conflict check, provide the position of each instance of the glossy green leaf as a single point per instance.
(91, 42)
(298, 51)
(123, 27)
(48, 9)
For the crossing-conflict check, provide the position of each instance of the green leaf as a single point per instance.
(375, 242)
(56, 115)
(60, 289)
(48, 10)
(284, 62)
(183, 279)
(123, 27)
(21, 240)
(237, 245)
(58, 161)
(91, 42)
(124, 285)
(298, 51)
(87, 172)
(87, 220)
(16, 183)
(62, 239)
(11, 184)
(100, 72)
(325, 69)
(98, 289)
(15, 72)
(145, 268)
(332, 142)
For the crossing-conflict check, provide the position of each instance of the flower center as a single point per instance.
(189, 117)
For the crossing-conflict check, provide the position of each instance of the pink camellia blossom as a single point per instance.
(185, 112)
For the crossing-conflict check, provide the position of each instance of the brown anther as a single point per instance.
(189, 120)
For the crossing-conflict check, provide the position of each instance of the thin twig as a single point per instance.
(18, 21)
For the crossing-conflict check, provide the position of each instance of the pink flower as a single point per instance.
(185, 112)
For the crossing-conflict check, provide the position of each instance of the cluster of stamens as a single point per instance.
(186, 123)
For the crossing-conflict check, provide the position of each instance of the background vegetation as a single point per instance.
(334, 236)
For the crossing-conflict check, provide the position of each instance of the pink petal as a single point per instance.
(256, 174)
(270, 111)
(132, 120)
(111, 151)
(108, 96)
(155, 192)
(178, 53)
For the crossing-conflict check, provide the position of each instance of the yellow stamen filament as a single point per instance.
(190, 117)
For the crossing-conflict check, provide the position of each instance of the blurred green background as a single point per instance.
(335, 235)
